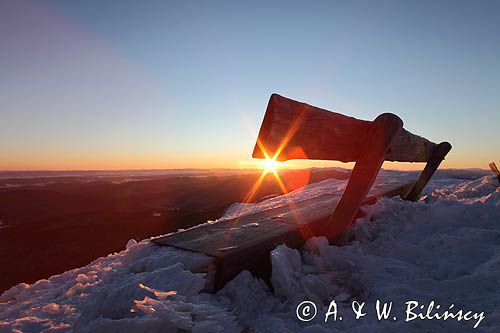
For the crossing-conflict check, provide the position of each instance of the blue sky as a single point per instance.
(158, 84)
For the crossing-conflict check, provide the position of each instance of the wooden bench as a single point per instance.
(294, 130)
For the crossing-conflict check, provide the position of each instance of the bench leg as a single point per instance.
(382, 131)
(437, 156)
(494, 169)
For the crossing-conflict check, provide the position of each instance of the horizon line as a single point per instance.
(186, 169)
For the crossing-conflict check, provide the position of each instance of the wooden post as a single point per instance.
(380, 135)
(495, 171)
(433, 163)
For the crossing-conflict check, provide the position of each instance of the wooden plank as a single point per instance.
(297, 130)
(309, 132)
(245, 242)
(220, 239)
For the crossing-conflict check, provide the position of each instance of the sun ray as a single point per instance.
(248, 198)
(271, 165)
(288, 136)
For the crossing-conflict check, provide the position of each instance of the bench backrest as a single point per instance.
(294, 130)
(298, 130)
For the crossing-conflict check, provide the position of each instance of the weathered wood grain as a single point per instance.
(300, 131)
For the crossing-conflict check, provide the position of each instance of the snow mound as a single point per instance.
(445, 248)
(116, 293)
(484, 190)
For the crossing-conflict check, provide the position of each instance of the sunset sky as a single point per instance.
(184, 84)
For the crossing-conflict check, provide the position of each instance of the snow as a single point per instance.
(444, 248)
(316, 190)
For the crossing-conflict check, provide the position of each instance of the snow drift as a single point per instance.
(444, 248)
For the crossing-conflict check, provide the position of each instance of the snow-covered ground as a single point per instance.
(444, 248)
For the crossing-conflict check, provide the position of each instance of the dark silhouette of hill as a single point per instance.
(53, 225)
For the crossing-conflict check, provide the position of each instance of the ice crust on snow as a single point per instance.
(445, 248)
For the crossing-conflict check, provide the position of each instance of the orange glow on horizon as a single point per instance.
(237, 162)
(163, 159)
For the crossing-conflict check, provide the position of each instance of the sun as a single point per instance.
(270, 165)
